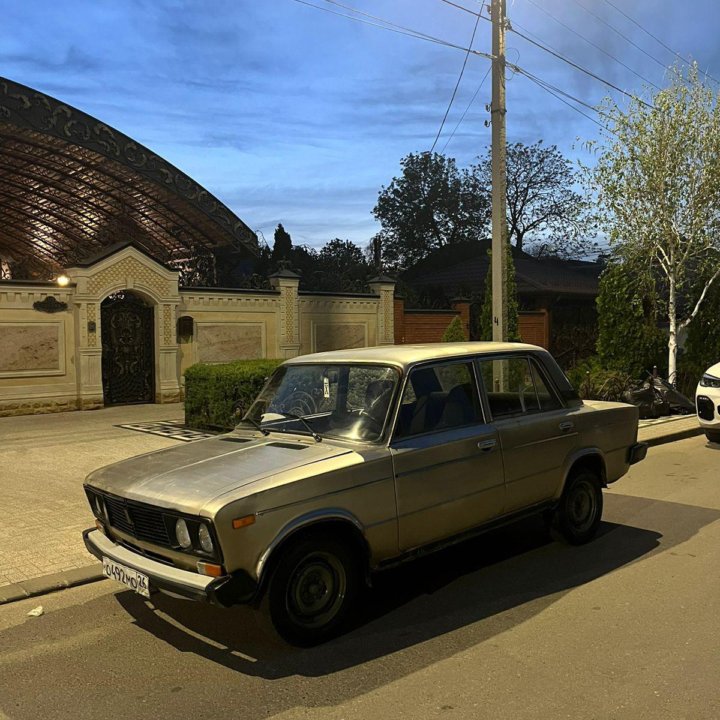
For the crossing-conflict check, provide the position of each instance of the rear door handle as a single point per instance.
(566, 426)
(487, 445)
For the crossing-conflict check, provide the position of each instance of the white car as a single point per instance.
(707, 401)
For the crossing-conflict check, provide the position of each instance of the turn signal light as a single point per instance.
(211, 569)
(242, 522)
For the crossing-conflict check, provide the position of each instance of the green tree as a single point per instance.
(629, 339)
(341, 266)
(657, 179)
(544, 209)
(430, 205)
(282, 245)
(486, 321)
(455, 332)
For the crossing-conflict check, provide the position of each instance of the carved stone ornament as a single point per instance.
(50, 305)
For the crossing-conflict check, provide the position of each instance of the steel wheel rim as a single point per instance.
(582, 506)
(316, 590)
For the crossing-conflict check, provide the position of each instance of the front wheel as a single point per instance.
(312, 590)
(577, 518)
(713, 436)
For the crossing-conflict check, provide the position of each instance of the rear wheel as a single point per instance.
(713, 436)
(311, 590)
(577, 517)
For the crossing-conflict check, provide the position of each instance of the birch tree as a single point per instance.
(657, 180)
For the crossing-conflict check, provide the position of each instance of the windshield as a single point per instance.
(343, 401)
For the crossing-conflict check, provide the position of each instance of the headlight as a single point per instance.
(206, 542)
(182, 534)
(709, 381)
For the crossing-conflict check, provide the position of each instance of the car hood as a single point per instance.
(714, 370)
(187, 477)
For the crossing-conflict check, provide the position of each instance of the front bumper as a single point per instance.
(223, 591)
(707, 402)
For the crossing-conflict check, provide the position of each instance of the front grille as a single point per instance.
(140, 521)
(705, 409)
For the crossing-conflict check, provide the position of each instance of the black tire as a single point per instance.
(311, 590)
(713, 436)
(577, 517)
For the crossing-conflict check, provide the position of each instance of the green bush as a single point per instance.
(702, 347)
(629, 340)
(594, 382)
(213, 391)
(455, 332)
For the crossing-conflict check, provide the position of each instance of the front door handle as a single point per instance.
(566, 426)
(487, 445)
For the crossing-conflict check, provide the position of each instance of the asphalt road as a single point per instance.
(508, 626)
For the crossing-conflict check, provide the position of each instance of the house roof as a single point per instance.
(466, 269)
(71, 185)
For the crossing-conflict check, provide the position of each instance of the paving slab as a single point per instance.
(43, 462)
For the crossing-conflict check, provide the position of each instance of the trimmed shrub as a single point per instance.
(213, 391)
(454, 331)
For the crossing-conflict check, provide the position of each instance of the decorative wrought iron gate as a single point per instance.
(128, 356)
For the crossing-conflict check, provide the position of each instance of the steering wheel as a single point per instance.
(375, 413)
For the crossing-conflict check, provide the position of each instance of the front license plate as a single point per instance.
(127, 576)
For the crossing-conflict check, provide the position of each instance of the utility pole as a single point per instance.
(499, 179)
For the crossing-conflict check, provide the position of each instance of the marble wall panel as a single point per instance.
(32, 347)
(336, 336)
(218, 343)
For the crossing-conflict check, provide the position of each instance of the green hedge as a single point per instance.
(211, 391)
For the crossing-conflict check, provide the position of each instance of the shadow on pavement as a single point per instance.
(481, 588)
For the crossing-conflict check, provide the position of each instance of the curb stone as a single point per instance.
(50, 583)
(671, 437)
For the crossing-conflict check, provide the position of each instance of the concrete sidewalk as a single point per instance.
(44, 459)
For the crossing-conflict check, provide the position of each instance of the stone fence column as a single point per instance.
(287, 282)
(385, 288)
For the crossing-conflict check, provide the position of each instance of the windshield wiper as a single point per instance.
(257, 425)
(292, 416)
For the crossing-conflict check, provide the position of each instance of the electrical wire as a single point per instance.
(580, 67)
(623, 36)
(556, 54)
(457, 85)
(654, 37)
(587, 40)
(465, 112)
(391, 27)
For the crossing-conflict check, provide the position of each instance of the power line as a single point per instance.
(548, 87)
(462, 117)
(587, 40)
(556, 54)
(624, 37)
(654, 37)
(563, 100)
(561, 95)
(580, 68)
(457, 85)
(391, 27)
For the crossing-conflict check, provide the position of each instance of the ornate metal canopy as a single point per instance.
(71, 186)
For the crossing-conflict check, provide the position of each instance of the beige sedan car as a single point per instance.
(352, 461)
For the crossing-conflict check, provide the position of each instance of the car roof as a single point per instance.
(404, 355)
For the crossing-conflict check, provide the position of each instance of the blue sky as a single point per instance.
(293, 115)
